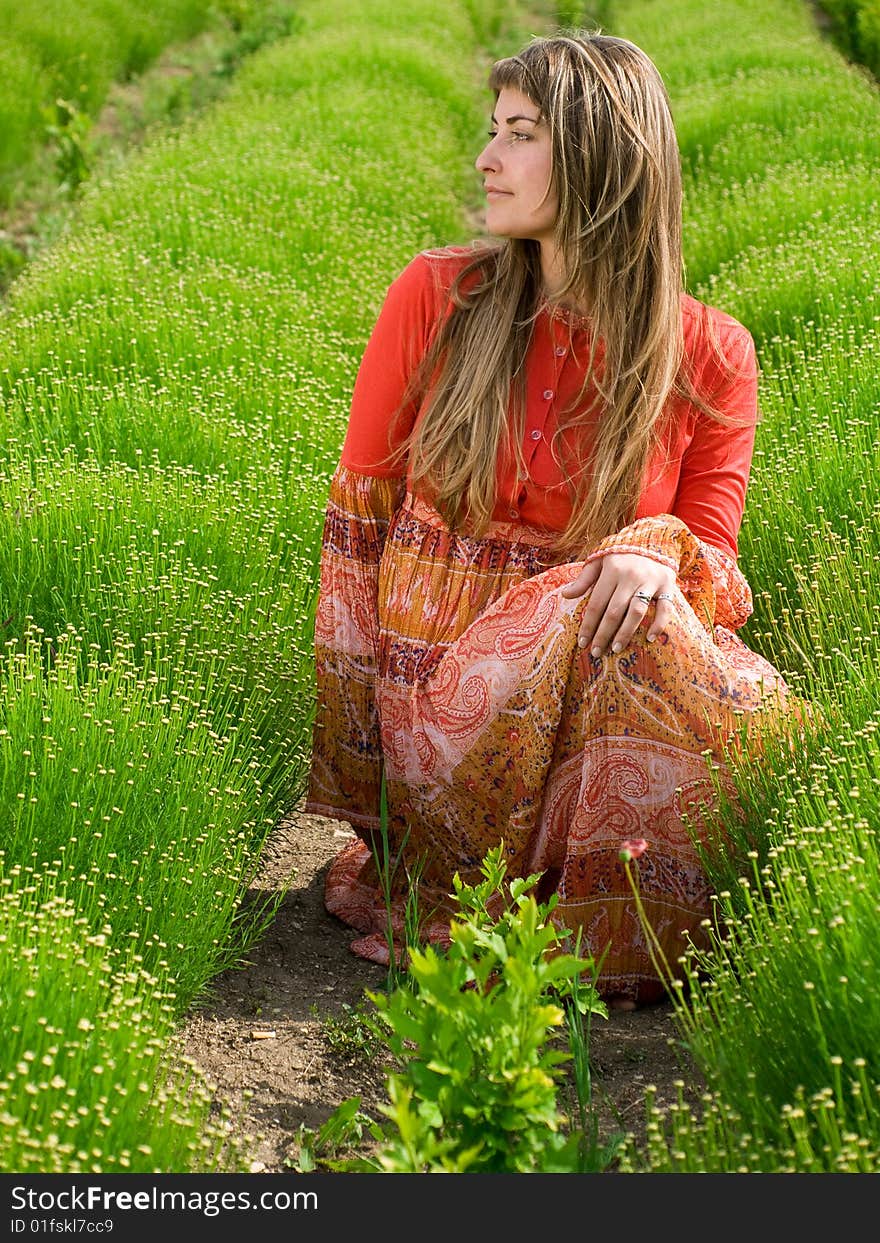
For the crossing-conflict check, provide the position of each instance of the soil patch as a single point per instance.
(277, 1038)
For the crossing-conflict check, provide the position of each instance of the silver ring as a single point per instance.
(643, 596)
(665, 595)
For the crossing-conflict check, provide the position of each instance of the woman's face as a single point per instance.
(521, 199)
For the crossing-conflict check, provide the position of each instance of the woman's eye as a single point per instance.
(515, 135)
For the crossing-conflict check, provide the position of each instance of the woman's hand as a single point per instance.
(624, 585)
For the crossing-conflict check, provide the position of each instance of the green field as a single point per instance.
(175, 382)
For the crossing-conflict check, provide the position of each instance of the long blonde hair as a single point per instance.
(616, 171)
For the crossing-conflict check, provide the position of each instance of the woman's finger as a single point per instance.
(621, 620)
(663, 615)
(584, 581)
(594, 612)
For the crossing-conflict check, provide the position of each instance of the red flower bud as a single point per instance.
(633, 848)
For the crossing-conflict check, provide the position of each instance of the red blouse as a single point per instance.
(699, 474)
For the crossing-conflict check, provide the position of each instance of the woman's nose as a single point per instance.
(487, 161)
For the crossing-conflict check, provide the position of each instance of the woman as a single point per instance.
(528, 584)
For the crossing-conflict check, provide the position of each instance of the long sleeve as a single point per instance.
(698, 538)
(716, 463)
(346, 763)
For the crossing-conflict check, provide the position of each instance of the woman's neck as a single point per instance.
(553, 280)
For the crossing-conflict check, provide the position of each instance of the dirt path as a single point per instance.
(264, 1041)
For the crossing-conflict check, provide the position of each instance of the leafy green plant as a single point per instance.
(67, 128)
(473, 1029)
(344, 1129)
(352, 1032)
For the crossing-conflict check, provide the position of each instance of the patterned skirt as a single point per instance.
(451, 665)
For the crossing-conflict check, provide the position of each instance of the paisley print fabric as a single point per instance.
(453, 662)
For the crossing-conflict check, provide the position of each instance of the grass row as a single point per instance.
(779, 139)
(175, 381)
(59, 49)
